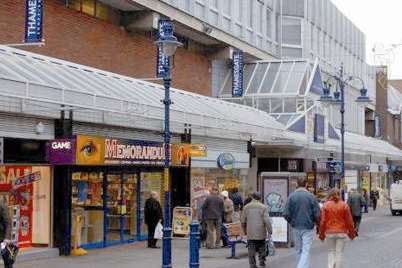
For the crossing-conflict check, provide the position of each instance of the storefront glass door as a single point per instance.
(114, 208)
(121, 210)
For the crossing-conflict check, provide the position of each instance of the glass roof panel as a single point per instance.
(248, 71)
(263, 104)
(270, 77)
(227, 88)
(257, 78)
(282, 78)
(296, 76)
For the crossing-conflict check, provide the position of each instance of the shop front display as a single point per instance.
(110, 182)
(26, 191)
(204, 179)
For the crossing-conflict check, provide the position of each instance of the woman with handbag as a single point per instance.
(336, 225)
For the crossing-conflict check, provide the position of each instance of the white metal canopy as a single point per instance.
(39, 85)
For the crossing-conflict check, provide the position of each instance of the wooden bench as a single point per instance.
(232, 232)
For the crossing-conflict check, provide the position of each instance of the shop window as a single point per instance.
(90, 7)
(268, 165)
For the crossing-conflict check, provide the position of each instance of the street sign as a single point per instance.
(237, 73)
(33, 21)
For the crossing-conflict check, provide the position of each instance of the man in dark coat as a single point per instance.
(152, 214)
(356, 202)
(213, 209)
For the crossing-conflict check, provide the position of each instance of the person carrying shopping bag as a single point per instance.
(336, 225)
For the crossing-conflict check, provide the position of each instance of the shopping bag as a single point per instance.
(158, 231)
(270, 246)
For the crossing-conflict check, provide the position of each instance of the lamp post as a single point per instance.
(339, 99)
(168, 44)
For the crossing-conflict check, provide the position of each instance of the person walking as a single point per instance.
(366, 200)
(303, 213)
(256, 224)
(356, 202)
(336, 225)
(228, 209)
(375, 195)
(152, 215)
(4, 226)
(214, 212)
(237, 204)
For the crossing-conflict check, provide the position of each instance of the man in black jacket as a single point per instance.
(152, 214)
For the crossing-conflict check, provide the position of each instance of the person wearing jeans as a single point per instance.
(303, 242)
(303, 213)
(336, 225)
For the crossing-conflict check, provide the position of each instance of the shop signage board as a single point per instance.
(237, 73)
(33, 21)
(182, 217)
(226, 161)
(162, 61)
(198, 150)
(61, 151)
(121, 151)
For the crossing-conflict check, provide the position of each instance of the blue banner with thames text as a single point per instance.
(162, 61)
(237, 73)
(33, 21)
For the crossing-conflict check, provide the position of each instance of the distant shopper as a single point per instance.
(214, 211)
(248, 199)
(256, 224)
(375, 195)
(356, 202)
(303, 213)
(366, 201)
(336, 225)
(228, 207)
(237, 199)
(152, 215)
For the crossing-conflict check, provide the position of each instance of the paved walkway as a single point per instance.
(377, 228)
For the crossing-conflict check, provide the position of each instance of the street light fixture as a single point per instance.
(168, 43)
(339, 99)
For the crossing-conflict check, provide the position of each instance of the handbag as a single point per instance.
(270, 246)
(158, 231)
(9, 251)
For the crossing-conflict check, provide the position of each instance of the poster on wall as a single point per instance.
(199, 193)
(182, 217)
(275, 194)
(18, 184)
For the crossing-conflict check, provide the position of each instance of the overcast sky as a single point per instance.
(381, 21)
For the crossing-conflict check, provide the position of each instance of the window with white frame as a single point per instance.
(250, 14)
(260, 18)
(226, 8)
(269, 23)
(292, 31)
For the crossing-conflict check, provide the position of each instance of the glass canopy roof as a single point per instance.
(285, 89)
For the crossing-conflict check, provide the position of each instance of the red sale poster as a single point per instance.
(20, 179)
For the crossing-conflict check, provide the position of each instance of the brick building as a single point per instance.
(91, 33)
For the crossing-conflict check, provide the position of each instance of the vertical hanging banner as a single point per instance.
(237, 73)
(33, 21)
(162, 62)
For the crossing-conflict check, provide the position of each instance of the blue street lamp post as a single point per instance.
(168, 44)
(339, 99)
